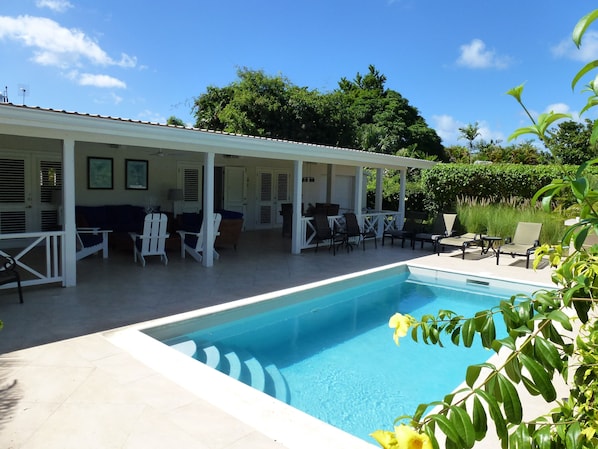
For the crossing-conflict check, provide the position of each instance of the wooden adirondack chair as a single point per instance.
(153, 240)
(192, 242)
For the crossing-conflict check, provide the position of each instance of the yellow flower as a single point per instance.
(409, 438)
(385, 438)
(401, 324)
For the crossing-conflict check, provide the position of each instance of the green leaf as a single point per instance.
(521, 131)
(516, 92)
(488, 332)
(530, 386)
(480, 420)
(511, 402)
(456, 336)
(507, 342)
(463, 425)
(513, 370)
(583, 71)
(580, 187)
(429, 430)
(419, 412)
(573, 434)
(495, 414)
(540, 378)
(543, 438)
(547, 119)
(581, 27)
(562, 318)
(546, 352)
(447, 427)
(468, 332)
(520, 439)
(594, 136)
(472, 374)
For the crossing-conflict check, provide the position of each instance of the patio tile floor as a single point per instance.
(64, 385)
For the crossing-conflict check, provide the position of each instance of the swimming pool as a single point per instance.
(186, 331)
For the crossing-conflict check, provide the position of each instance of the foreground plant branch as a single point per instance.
(539, 333)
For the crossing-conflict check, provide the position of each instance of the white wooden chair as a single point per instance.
(192, 242)
(91, 241)
(153, 240)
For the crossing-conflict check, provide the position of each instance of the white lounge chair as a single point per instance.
(192, 242)
(91, 241)
(153, 240)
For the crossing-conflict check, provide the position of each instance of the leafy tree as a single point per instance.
(570, 143)
(540, 342)
(361, 113)
(523, 153)
(384, 120)
(175, 121)
(457, 154)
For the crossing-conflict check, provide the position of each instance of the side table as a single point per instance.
(489, 243)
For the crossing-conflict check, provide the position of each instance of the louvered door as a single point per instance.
(273, 188)
(15, 198)
(30, 194)
(190, 181)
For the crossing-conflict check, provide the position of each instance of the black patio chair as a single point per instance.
(353, 229)
(9, 273)
(412, 225)
(325, 233)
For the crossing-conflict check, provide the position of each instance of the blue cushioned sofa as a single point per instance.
(120, 218)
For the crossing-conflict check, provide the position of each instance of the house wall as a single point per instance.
(162, 174)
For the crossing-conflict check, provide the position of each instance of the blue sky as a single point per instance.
(148, 60)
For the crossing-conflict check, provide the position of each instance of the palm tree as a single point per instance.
(469, 133)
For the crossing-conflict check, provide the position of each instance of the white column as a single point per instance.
(403, 181)
(297, 196)
(379, 188)
(208, 211)
(357, 201)
(69, 247)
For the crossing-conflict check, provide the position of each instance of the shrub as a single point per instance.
(445, 183)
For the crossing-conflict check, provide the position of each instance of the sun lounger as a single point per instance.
(463, 242)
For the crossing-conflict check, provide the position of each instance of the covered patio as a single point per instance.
(63, 381)
(56, 160)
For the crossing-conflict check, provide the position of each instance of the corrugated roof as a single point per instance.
(241, 145)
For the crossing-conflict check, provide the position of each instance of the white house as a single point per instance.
(43, 148)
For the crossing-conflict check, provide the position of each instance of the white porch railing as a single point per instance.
(376, 221)
(37, 253)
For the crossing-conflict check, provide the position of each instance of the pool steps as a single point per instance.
(241, 365)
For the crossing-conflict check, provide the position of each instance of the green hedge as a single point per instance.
(445, 183)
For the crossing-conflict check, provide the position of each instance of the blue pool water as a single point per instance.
(333, 356)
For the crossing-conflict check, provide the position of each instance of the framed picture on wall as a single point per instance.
(135, 174)
(100, 172)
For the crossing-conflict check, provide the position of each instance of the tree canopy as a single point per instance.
(361, 113)
(570, 142)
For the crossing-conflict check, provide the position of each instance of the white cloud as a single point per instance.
(447, 128)
(89, 79)
(586, 53)
(54, 5)
(488, 134)
(558, 108)
(54, 45)
(475, 55)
